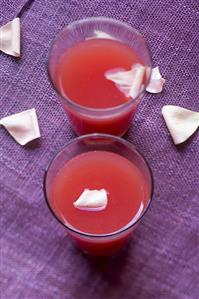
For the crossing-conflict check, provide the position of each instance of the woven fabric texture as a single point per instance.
(38, 260)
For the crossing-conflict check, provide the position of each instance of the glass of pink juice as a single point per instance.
(80, 56)
(95, 162)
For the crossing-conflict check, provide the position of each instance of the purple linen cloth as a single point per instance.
(38, 260)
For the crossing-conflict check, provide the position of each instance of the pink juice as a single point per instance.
(80, 77)
(127, 189)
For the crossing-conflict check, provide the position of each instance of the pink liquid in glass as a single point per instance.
(80, 76)
(127, 191)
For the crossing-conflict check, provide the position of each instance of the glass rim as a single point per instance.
(81, 108)
(125, 143)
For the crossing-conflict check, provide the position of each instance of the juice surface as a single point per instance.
(122, 180)
(80, 73)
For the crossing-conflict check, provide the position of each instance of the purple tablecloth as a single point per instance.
(37, 258)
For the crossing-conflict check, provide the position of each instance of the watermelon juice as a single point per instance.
(77, 68)
(98, 165)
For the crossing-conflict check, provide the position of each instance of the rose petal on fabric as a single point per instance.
(181, 122)
(10, 38)
(23, 126)
(128, 82)
(156, 82)
(92, 200)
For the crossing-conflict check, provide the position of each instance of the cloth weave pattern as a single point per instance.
(38, 261)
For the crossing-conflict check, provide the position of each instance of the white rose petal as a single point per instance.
(128, 82)
(102, 34)
(156, 82)
(92, 200)
(23, 126)
(181, 122)
(10, 38)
